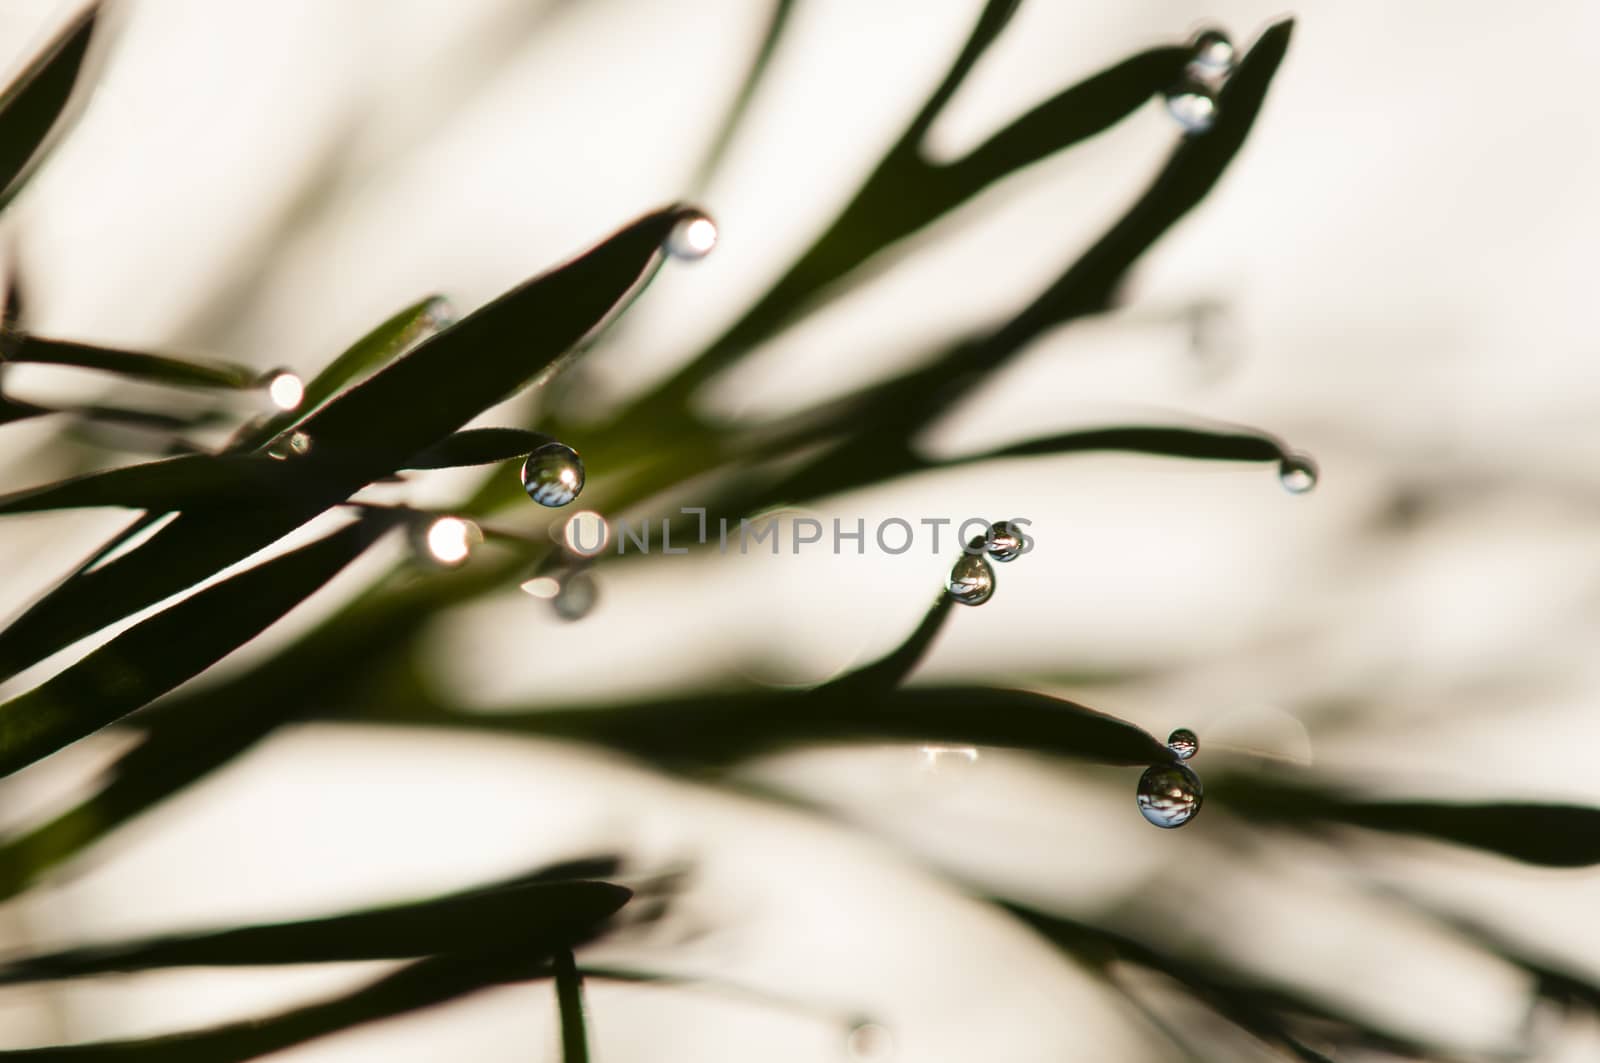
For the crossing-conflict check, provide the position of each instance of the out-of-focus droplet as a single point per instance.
(586, 533)
(553, 474)
(693, 236)
(577, 596)
(1297, 473)
(1169, 795)
(545, 587)
(971, 580)
(447, 541)
(870, 1042)
(294, 444)
(1184, 742)
(1005, 541)
(936, 756)
(1192, 106)
(285, 389)
(1212, 56)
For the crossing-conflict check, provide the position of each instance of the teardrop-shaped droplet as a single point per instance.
(577, 596)
(1297, 473)
(284, 388)
(294, 444)
(553, 474)
(971, 580)
(1192, 106)
(1212, 56)
(1184, 742)
(1006, 541)
(693, 236)
(1169, 795)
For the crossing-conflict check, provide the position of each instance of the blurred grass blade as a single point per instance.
(536, 917)
(177, 644)
(363, 435)
(424, 984)
(1195, 443)
(374, 349)
(891, 670)
(159, 486)
(151, 368)
(777, 22)
(1550, 835)
(478, 446)
(33, 104)
(569, 1001)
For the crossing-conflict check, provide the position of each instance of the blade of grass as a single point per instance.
(32, 106)
(569, 1003)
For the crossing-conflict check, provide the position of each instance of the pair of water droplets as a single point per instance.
(971, 579)
(1192, 102)
(1169, 795)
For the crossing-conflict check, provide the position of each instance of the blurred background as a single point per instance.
(1395, 275)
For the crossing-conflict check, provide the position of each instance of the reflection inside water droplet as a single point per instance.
(1184, 742)
(285, 389)
(576, 597)
(1193, 107)
(693, 236)
(1169, 795)
(1212, 56)
(971, 580)
(1297, 473)
(870, 1042)
(553, 474)
(439, 314)
(1005, 541)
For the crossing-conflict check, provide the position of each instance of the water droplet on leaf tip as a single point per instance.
(1169, 795)
(553, 475)
(971, 580)
(1184, 742)
(545, 587)
(577, 596)
(1297, 473)
(295, 444)
(1212, 55)
(285, 389)
(1193, 107)
(440, 313)
(693, 236)
(1006, 542)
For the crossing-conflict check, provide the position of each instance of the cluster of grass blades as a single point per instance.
(204, 551)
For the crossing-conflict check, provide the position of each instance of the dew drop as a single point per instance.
(553, 474)
(545, 587)
(1297, 473)
(1184, 742)
(586, 533)
(693, 236)
(1192, 106)
(439, 314)
(971, 580)
(285, 389)
(870, 1042)
(1006, 542)
(289, 445)
(1212, 56)
(576, 597)
(1169, 795)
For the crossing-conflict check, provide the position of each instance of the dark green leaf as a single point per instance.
(160, 486)
(533, 914)
(33, 104)
(478, 446)
(356, 438)
(156, 655)
(569, 999)
(1197, 443)
(891, 670)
